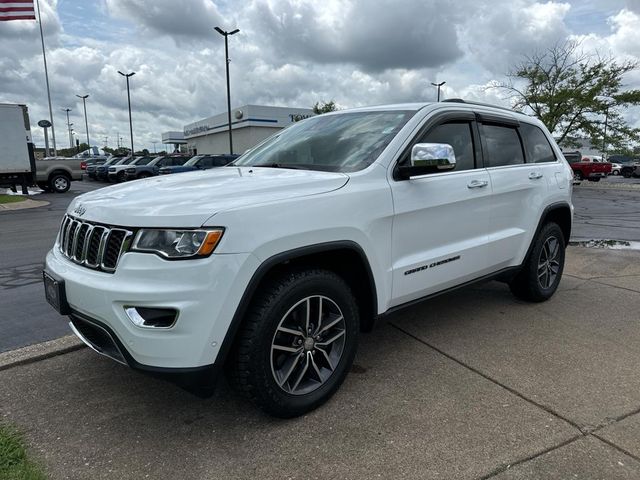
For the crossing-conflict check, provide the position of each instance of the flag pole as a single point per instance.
(46, 76)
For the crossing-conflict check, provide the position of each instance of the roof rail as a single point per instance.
(460, 100)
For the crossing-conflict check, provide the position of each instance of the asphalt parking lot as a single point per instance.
(471, 385)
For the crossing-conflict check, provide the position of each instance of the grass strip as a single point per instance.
(14, 461)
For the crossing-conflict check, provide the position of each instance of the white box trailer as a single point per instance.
(17, 161)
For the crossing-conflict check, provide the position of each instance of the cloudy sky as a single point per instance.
(288, 53)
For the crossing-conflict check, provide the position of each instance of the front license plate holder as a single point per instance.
(55, 294)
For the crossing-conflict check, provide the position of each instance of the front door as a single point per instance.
(440, 227)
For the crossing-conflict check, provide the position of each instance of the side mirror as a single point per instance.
(428, 158)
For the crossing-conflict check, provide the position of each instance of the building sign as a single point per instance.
(296, 117)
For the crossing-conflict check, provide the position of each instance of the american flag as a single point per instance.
(17, 10)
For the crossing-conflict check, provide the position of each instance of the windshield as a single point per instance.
(125, 161)
(142, 160)
(156, 160)
(346, 142)
(193, 160)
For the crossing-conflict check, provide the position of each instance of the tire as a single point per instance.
(596, 179)
(59, 183)
(290, 383)
(144, 175)
(626, 174)
(616, 172)
(120, 177)
(579, 175)
(528, 284)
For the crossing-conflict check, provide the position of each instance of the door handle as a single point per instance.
(477, 184)
(535, 175)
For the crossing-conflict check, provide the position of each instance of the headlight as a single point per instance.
(178, 244)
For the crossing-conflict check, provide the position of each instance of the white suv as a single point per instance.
(271, 266)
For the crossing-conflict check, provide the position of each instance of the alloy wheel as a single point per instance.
(307, 345)
(548, 264)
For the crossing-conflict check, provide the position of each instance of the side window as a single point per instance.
(220, 161)
(459, 136)
(503, 146)
(206, 162)
(536, 144)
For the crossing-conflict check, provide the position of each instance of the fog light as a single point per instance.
(152, 317)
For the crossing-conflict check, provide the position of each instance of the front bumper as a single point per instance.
(205, 292)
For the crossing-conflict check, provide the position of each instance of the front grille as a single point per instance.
(94, 246)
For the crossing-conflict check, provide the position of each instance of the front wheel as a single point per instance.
(297, 343)
(542, 270)
(579, 176)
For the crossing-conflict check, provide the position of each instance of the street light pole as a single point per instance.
(68, 127)
(226, 36)
(127, 75)
(438, 85)
(86, 123)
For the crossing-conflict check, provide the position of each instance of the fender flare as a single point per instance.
(277, 259)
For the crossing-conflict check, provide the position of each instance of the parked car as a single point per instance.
(200, 162)
(615, 168)
(271, 268)
(116, 173)
(152, 168)
(631, 169)
(102, 171)
(92, 170)
(588, 168)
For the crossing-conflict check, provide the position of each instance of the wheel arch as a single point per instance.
(57, 171)
(560, 213)
(345, 258)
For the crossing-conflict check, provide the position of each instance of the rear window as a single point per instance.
(503, 146)
(536, 144)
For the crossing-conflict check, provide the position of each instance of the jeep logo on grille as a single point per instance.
(80, 210)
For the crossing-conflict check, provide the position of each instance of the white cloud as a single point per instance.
(294, 53)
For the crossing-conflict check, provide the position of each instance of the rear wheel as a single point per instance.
(59, 182)
(542, 270)
(297, 342)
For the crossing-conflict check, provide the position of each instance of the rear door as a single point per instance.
(440, 226)
(520, 172)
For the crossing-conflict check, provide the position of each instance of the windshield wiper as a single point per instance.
(284, 165)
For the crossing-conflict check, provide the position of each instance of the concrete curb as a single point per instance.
(609, 186)
(28, 203)
(39, 351)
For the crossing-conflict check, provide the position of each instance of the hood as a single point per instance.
(189, 199)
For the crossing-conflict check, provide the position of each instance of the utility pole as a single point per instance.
(226, 36)
(439, 85)
(86, 124)
(127, 75)
(68, 127)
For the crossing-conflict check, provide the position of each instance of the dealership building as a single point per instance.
(250, 125)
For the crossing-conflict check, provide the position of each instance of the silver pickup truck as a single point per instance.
(55, 174)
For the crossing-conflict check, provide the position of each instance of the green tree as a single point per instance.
(575, 95)
(324, 107)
